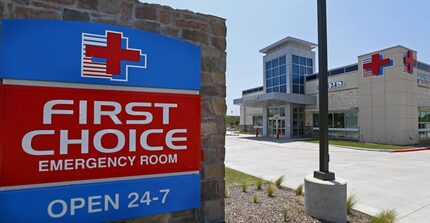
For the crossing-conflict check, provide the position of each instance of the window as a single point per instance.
(298, 120)
(341, 125)
(339, 120)
(424, 125)
(276, 71)
(315, 120)
(272, 112)
(351, 120)
(301, 67)
(257, 120)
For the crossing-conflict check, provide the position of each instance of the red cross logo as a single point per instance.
(409, 62)
(377, 64)
(113, 53)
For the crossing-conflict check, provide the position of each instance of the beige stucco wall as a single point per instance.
(344, 98)
(388, 103)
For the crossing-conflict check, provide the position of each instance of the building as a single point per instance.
(383, 98)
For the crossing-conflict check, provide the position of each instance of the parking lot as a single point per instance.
(380, 180)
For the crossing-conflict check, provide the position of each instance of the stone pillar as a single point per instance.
(206, 31)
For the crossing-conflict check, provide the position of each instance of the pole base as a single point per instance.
(326, 200)
(326, 176)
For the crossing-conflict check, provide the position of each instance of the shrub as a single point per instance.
(245, 187)
(227, 192)
(285, 213)
(386, 216)
(271, 190)
(279, 181)
(350, 203)
(259, 183)
(299, 190)
(255, 198)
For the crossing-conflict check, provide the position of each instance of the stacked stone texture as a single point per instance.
(206, 31)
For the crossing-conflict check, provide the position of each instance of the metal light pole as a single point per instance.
(323, 173)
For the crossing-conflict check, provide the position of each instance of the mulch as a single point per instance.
(239, 207)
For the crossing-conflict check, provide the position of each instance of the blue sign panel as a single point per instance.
(101, 202)
(91, 53)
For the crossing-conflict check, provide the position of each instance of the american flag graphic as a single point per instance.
(367, 72)
(92, 67)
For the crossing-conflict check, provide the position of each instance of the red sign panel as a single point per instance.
(55, 134)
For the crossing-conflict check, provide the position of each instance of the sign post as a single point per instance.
(99, 123)
(324, 158)
(325, 196)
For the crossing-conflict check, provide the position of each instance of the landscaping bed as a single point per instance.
(283, 206)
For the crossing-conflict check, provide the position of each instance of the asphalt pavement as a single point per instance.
(380, 180)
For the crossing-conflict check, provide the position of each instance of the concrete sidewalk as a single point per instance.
(380, 180)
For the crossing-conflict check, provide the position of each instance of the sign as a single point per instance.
(336, 84)
(102, 202)
(65, 134)
(72, 52)
(409, 62)
(97, 122)
(374, 65)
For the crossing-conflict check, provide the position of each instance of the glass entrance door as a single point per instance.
(276, 124)
(276, 121)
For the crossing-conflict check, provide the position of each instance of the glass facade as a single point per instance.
(276, 120)
(341, 125)
(276, 75)
(257, 120)
(298, 120)
(424, 125)
(301, 67)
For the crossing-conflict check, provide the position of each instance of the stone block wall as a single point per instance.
(209, 32)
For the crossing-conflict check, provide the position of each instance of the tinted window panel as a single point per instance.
(283, 79)
(275, 72)
(351, 68)
(295, 59)
(269, 83)
(268, 65)
(309, 62)
(295, 69)
(309, 70)
(268, 90)
(302, 61)
(268, 73)
(283, 89)
(283, 70)
(296, 79)
(302, 79)
(296, 89)
(275, 63)
(302, 70)
(302, 89)
(282, 60)
(275, 89)
(276, 81)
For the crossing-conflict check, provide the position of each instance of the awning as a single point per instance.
(275, 99)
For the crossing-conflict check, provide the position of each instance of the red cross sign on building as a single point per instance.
(409, 61)
(109, 56)
(374, 65)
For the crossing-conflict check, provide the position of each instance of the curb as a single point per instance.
(410, 150)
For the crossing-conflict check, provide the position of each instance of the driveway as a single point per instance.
(380, 180)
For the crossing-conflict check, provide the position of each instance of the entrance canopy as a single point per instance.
(275, 99)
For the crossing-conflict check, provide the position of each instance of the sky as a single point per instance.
(354, 27)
